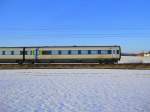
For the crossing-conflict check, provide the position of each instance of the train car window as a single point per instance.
(3, 53)
(84, 51)
(21, 52)
(99, 51)
(59, 52)
(26, 52)
(114, 51)
(118, 52)
(55, 52)
(79, 51)
(69, 52)
(109, 51)
(94, 52)
(74, 52)
(46, 52)
(49, 52)
(104, 52)
(89, 51)
(12, 52)
(64, 52)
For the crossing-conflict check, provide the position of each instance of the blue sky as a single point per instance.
(76, 22)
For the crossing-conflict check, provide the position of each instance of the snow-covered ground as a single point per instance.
(134, 59)
(86, 90)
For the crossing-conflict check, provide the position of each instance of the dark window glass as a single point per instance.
(59, 52)
(26, 52)
(99, 51)
(118, 52)
(49, 52)
(3, 52)
(69, 52)
(89, 51)
(79, 51)
(46, 52)
(21, 52)
(109, 51)
(12, 52)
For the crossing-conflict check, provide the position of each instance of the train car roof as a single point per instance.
(54, 46)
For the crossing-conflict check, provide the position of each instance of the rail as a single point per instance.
(76, 66)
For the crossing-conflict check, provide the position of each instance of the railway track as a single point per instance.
(76, 66)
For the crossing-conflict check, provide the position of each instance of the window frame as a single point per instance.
(3, 52)
(109, 51)
(46, 52)
(12, 53)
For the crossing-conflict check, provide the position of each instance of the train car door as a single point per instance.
(114, 53)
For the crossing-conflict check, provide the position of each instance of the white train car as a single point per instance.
(60, 54)
(11, 54)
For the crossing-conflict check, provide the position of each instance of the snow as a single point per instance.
(134, 59)
(74, 90)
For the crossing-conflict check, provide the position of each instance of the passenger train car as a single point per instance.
(60, 54)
